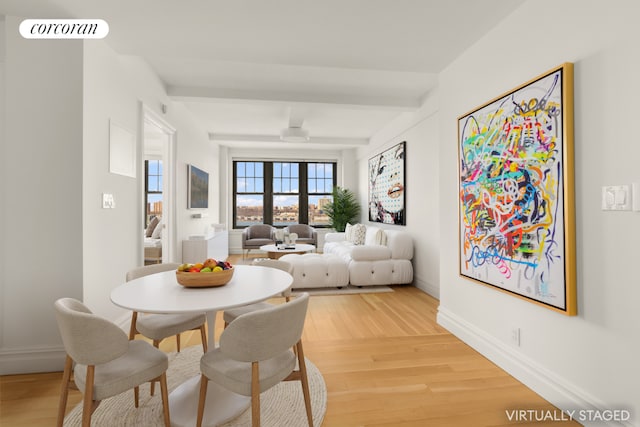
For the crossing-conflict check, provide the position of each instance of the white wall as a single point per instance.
(589, 360)
(41, 184)
(114, 87)
(60, 96)
(3, 167)
(420, 131)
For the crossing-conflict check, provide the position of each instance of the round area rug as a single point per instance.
(282, 405)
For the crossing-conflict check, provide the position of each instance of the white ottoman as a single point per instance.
(317, 271)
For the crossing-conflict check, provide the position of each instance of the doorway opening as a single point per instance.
(158, 213)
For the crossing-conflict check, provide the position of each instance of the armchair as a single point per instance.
(257, 235)
(306, 234)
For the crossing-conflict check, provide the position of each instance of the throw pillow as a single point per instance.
(381, 238)
(348, 232)
(359, 233)
(157, 232)
(375, 236)
(152, 226)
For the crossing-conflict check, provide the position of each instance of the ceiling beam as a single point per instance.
(376, 102)
(218, 137)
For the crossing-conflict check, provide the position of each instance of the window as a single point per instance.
(285, 194)
(248, 193)
(153, 189)
(320, 183)
(282, 193)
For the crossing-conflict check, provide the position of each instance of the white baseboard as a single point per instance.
(32, 360)
(427, 287)
(549, 385)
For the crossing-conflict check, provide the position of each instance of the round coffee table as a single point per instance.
(274, 252)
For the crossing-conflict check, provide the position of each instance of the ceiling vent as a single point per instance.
(293, 134)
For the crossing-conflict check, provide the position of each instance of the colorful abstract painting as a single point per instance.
(516, 192)
(386, 186)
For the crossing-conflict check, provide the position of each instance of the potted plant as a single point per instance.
(343, 209)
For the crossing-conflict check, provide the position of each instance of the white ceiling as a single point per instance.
(246, 69)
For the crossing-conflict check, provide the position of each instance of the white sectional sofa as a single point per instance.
(384, 258)
(317, 271)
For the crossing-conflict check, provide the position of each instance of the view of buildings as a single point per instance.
(284, 215)
(155, 208)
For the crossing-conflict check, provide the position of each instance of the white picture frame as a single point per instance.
(122, 150)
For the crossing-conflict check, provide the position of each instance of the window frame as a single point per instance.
(146, 213)
(268, 191)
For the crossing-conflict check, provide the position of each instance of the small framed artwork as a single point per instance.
(198, 188)
(122, 150)
(387, 186)
(516, 192)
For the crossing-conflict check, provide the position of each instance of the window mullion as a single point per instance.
(303, 197)
(268, 193)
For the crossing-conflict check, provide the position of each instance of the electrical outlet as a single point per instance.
(515, 336)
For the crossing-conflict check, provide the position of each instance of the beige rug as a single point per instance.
(282, 405)
(346, 290)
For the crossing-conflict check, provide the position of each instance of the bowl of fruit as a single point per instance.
(205, 274)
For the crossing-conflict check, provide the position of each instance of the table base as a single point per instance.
(221, 406)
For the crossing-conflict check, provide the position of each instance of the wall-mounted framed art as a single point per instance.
(122, 150)
(387, 186)
(516, 192)
(198, 188)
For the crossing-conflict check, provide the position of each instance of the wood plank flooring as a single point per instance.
(385, 361)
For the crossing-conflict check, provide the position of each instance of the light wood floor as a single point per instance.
(385, 361)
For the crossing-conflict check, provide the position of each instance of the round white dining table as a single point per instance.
(161, 293)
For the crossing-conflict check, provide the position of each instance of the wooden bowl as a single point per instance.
(204, 280)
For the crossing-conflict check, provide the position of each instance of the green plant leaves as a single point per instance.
(343, 209)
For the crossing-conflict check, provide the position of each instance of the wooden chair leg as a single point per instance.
(255, 394)
(302, 366)
(136, 396)
(203, 337)
(178, 342)
(152, 387)
(87, 406)
(64, 390)
(164, 391)
(132, 329)
(204, 382)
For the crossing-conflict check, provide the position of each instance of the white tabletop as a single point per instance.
(161, 293)
(300, 247)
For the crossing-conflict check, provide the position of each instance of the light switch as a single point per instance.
(107, 201)
(616, 198)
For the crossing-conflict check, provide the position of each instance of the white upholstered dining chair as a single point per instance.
(231, 314)
(255, 354)
(160, 326)
(107, 363)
